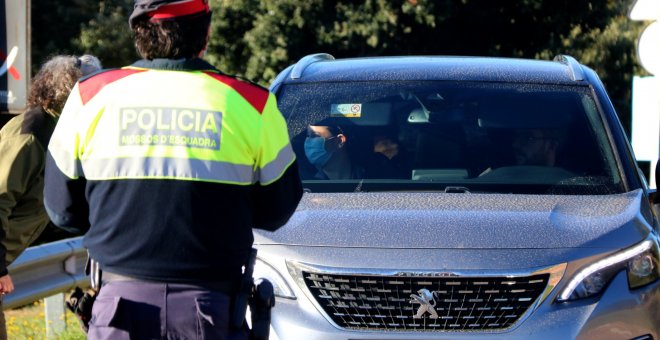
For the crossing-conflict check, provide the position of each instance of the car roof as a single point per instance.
(323, 67)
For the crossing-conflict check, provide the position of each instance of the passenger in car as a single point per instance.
(388, 159)
(386, 146)
(536, 146)
(326, 149)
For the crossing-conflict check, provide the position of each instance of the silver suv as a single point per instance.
(457, 198)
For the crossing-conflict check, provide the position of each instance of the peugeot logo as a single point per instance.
(424, 300)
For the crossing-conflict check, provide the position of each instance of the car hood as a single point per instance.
(462, 220)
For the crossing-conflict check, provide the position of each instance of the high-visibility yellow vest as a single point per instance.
(129, 124)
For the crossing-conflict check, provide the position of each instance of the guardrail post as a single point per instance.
(55, 315)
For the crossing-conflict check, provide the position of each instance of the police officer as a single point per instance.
(166, 165)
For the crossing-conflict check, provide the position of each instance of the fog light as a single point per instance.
(263, 270)
(594, 283)
(642, 265)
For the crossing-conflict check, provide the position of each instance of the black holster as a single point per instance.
(259, 297)
(80, 302)
(261, 303)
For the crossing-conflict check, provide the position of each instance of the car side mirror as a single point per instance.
(654, 195)
(657, 174)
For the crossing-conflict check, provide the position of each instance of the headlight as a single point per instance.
(640, 261)
(263, 270)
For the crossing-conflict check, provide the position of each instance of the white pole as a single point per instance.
(646, 102)
(55, 316)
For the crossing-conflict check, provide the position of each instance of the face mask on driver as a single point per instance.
(316, 152)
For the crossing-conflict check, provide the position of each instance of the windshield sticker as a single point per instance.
(346, 110)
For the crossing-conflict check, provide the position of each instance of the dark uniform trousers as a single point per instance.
(132, 309)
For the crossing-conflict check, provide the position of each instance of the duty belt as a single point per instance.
(227, 287)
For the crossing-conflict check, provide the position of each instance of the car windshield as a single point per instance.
(449, 136)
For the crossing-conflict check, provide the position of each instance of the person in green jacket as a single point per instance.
(23, 143)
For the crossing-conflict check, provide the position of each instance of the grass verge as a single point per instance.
(29, 323)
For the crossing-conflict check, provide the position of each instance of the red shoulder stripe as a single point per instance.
(91, 86)
(255, 95)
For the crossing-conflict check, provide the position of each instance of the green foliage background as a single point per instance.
(258, 38)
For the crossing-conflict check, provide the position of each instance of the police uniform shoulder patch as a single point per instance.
(90, 86)
(255, 94)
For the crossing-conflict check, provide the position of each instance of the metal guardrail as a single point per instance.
(44, 271)
(47, 270)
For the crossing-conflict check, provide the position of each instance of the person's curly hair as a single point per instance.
(171, 39)
(53, 83)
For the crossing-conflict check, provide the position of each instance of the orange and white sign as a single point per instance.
(14, 55)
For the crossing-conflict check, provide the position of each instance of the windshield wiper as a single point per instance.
(359, 186)
(457, 190)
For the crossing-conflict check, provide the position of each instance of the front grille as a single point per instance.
(399, 303)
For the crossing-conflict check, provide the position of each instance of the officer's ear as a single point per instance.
(342, 139)
(202, 53)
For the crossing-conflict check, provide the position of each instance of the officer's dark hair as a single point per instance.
(171, 39)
